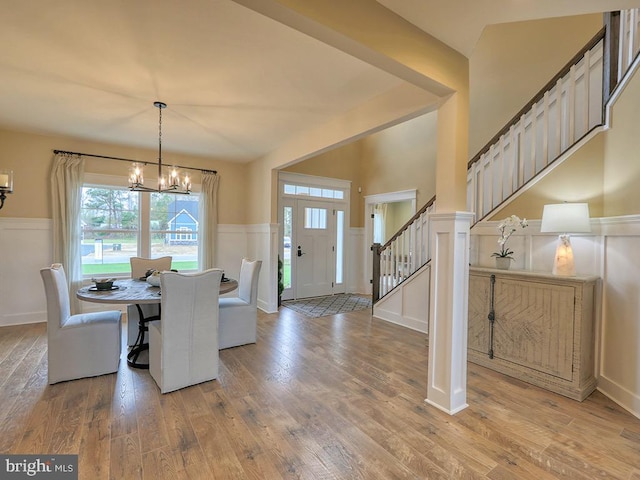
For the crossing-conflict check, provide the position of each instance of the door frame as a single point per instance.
(369, 203)
(344, 204)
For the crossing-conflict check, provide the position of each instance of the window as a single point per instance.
(303, 190)
(118, 224)
(315, 218)
(339, 246)
(288, 233)
(182, 236)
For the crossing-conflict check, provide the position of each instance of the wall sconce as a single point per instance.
(565, 218)
(6, 185)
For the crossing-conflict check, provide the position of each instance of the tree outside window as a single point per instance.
(112, 230)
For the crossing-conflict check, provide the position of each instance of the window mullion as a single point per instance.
(144, 244)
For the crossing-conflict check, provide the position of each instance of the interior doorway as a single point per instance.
(385, 214)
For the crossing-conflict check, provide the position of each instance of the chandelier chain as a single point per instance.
(170, 184)
(160, 133)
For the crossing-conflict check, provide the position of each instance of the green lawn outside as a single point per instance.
(113, 268)
(286, 273)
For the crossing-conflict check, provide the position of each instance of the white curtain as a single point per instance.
(208, 218)
(379, 220)
(67, 177)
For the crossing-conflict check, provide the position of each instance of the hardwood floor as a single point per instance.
(333, 397)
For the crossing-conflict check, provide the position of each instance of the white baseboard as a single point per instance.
(628, 400)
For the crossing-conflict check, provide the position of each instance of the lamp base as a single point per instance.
(563, 265)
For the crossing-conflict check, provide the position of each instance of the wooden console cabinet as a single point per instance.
(543, 328)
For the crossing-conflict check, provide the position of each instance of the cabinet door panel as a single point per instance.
(534, 325)
(479, 294)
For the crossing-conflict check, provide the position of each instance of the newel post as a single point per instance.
(375, 272)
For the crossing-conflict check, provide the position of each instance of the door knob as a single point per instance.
(300, 252)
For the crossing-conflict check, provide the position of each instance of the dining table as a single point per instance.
(137, 292)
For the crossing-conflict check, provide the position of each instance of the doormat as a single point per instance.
(331, 305)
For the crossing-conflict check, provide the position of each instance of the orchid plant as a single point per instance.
(506, 228)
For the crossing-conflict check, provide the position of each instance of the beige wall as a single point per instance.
(30, 157)
(512, 62)
(577, 179)
(402, 157)
(398, 213)
(342, 163)
(398, 158)
(622, 154)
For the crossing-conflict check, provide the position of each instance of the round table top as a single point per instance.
(134, 291)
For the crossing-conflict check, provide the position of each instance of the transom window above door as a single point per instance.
(318, 192)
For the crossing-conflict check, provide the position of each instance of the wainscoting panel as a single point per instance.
(26, 248)
(408, 305)
(620, 328)
(354, 269)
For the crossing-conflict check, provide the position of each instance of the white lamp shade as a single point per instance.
(6, 181)
(566, 218)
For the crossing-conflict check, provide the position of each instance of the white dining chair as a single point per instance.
(82, 345)
(183, 344)
(239, 315)
(139, 267)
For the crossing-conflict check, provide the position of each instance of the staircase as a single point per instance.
(566, 113)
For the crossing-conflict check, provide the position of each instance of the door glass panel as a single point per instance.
(339, 246)
(315, 218)
(287, 223)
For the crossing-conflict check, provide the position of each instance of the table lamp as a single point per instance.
(565, 218)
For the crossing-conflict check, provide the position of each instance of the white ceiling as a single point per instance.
(237, 84)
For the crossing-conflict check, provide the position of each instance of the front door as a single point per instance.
(314, 248)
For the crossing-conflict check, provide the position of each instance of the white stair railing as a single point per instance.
(629, 40)
(403, 254)
(560, 115)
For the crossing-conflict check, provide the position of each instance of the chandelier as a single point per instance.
(170, 183)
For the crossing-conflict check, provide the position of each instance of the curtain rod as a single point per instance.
(203, 170)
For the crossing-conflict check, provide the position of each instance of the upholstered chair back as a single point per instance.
(140, 266)
(238, 321)
(248, 281)
(57, 294)
(183, 344)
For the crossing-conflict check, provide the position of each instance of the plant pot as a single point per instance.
(503, 263)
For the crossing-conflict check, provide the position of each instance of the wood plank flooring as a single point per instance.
(338, 397)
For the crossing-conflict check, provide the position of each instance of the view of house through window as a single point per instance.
(118, 224)
(174, 229)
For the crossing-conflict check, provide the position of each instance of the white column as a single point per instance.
(447, 369)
